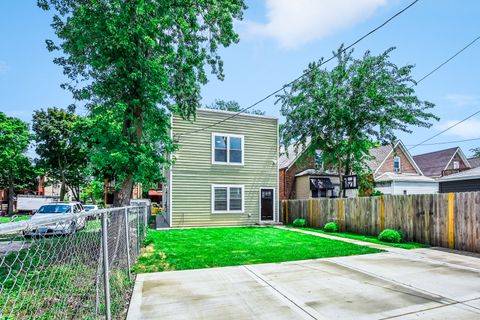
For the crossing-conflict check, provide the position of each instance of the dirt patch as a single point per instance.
(159, 258)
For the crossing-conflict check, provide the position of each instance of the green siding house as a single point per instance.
(225, 171)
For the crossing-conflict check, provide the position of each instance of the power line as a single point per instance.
(306, 73)
(433, 71)
(445, 130)
(448, 60)
(446, 142)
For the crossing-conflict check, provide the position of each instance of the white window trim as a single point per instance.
(228, 186)
(399, 164)
(228, 135)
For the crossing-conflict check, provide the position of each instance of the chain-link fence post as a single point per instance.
(127, 244)
(106, 281)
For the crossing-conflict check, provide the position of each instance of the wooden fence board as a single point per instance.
(422, 218)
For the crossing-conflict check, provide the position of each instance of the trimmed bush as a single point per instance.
(299, 223)
(330, 227)
(389, 235)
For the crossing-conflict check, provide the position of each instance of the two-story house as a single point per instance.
(225, 171)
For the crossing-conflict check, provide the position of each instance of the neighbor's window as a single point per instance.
(456, 165)
(396, 164)
(227, 199)
(227, 149)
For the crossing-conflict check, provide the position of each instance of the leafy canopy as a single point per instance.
(349, 109)
(133, 63)
(61, 153)
(16, 170)
(233, 106)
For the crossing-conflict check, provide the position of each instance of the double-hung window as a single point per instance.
(397, 166)
(227, 198)
(227, 149)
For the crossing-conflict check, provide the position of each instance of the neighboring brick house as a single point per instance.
(396, 172)
(443, 162)
(302, 177)
(393, 168)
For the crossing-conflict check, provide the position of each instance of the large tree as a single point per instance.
(232, 106)
(348, 109)
(61, 154)
(133, 63)
(16, 170)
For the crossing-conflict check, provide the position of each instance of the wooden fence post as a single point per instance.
(451, 220)
(286, 211)
(340, 214)
(382, 213)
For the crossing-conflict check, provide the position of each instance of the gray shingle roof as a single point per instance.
(286, 159)
(378, 154)
(474, 162)
(433, 163)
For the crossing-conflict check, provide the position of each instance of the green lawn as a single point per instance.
(18, 218)
(372, 239)
(182, 249)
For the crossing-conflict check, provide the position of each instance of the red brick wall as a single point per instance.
(405, 165)
(287, 177)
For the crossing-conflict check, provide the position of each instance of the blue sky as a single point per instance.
(278, 39)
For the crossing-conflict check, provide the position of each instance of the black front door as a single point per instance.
(266, 204)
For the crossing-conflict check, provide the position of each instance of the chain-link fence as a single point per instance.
(66, 266)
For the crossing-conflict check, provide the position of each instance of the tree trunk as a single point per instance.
(11, 195)
(63, 190)
(340, 178)
(122, 197)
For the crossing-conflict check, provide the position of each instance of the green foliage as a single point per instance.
(133, 63)
(92, 191)
(16, 169)
(299, 223)
(232, 106)
(349, 109)
(476, 152)
(377, 193)
(389, 235)
(181, 249)
(62, 154)
(331, 227)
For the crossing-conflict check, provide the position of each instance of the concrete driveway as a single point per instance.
(414, 284)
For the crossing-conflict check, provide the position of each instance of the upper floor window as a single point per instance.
(456, 164)
(397, 166)
(227, 149)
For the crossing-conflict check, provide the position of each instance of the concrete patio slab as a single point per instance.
(414, 284)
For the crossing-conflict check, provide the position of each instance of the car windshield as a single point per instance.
(55, 208)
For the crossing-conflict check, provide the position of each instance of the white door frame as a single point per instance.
(260, 204)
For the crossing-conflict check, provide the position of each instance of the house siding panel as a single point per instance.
(460, 186)
(193, 172)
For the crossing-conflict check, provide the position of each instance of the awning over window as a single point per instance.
(321, 184)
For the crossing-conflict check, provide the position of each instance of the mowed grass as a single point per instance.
(372, 239)
(17, 218)
(181, 249)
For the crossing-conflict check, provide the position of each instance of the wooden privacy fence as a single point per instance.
(449, 220)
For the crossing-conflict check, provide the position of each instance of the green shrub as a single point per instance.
(299, 223)
(331, 227)
(389, 235)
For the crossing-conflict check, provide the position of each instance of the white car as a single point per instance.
(65, 227)
(89, 207)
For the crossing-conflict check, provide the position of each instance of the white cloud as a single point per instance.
(462, 100)
(466, 130)
(296, 22)
(4, 67)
